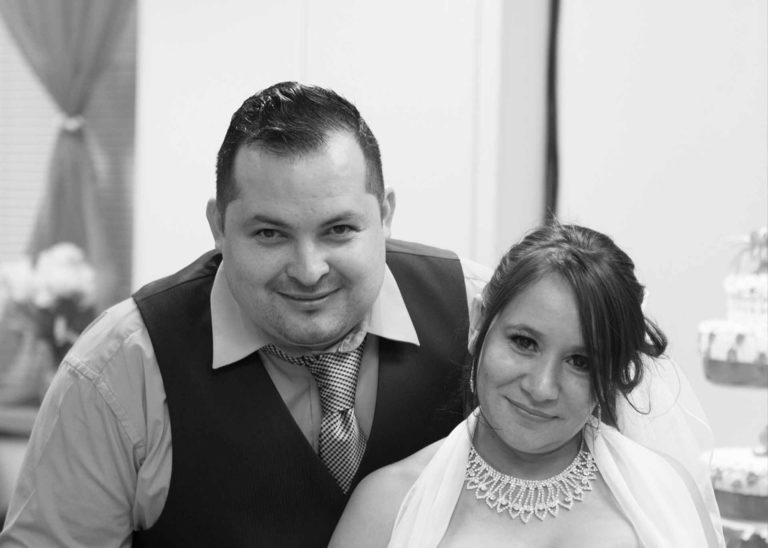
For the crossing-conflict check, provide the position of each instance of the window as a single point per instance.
(29, 121)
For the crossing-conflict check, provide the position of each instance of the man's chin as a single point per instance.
(312, 340)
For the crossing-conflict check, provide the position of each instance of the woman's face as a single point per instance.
(533, 379)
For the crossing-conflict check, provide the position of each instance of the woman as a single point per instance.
(561, 343)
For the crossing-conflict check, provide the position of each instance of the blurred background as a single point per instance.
(644, 119)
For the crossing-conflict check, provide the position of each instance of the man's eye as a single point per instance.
(523, 343)
(341, 230)
(266, 234)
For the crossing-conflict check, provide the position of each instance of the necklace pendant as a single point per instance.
(521, 498)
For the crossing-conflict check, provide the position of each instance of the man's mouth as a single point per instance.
(307, 298)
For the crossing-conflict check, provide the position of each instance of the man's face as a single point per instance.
(303, 242)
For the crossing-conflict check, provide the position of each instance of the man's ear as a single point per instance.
(215, 222)
(388, 211)
(476, 313)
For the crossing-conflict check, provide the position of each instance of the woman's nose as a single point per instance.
(542, 382)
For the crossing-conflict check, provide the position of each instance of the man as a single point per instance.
(237, 402)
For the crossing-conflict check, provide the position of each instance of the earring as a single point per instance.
(599, 417)
(472, 380)
(595, 419)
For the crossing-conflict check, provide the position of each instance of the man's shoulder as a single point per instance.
(116, 330)
(203, 267)
(417, 249)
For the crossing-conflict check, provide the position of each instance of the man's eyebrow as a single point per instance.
(266, 219)
(343, 217)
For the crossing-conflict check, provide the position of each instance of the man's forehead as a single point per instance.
(298, 147)
(338, 167)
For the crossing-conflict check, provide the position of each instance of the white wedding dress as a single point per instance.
(640, 465)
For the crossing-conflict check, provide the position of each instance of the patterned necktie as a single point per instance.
(342, 442)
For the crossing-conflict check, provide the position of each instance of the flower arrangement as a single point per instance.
(54, 297)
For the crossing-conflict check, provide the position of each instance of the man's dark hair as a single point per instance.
(292, 119)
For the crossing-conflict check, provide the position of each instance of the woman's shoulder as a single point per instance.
(676, 481)
(372, 509)
(397, 478)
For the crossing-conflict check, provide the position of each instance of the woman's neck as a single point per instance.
(521, 464)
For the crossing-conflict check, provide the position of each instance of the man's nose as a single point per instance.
(308, 264)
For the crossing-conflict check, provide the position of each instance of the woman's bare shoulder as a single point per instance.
(398, 477)
(371, 511)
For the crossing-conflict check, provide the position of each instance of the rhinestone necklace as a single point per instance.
(525, 498)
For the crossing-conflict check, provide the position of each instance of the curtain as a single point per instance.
(68, 43)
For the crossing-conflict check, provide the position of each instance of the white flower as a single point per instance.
(17, 281)
(63, 273)
(54, 298)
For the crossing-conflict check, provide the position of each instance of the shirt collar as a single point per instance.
(235, 337)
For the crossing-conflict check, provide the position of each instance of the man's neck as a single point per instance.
(349, 342)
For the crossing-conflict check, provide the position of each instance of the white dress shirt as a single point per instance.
(98, 463)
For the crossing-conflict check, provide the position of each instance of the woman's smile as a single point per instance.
(530, 413)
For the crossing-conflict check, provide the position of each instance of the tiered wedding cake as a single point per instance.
(735, 352)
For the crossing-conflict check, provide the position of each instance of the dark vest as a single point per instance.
(243, 474)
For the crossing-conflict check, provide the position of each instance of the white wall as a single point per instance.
(428, 77)
(413, 69)
(663, 121)
(663, 140)
(197, 62)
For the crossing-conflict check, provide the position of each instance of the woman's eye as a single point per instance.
(579, 362)
(523, 343)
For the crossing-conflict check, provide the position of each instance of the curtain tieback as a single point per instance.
(72, 123)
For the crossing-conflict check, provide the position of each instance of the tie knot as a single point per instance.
(341, 441)
(334, 372)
